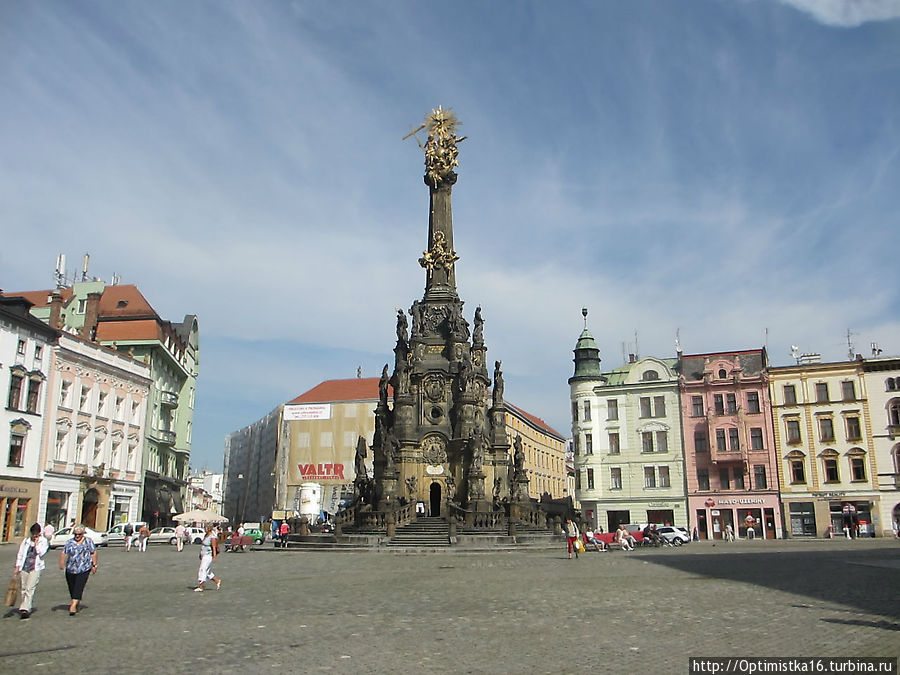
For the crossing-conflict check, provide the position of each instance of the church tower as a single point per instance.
(444, 440)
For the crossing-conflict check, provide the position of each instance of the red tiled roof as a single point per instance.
(537, 421)
(124, 300)
(40, 298)
(139, 329)
(332, 391)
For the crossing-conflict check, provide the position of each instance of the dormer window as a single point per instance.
(723, 374)
(650, 375)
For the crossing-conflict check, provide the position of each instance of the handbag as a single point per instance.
(579, 546)
(12, 592)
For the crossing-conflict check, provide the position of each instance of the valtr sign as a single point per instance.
(321, 471)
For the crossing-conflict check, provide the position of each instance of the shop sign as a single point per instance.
(710, 502)
(740, 501)
(322, 471)
(827, 495)
(298, 413)
(714, 512)
(13, 489)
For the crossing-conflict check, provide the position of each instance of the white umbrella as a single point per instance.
(200, 516)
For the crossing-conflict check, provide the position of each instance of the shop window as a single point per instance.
(793, 431)
(719, 404)
(703, 479)
(853, 429)
(16, 450)
(790, 395)
(858, 468)
(831, 470)
(664, 477)
(753, 402)
(615, 478)
(614, 443)
(612, 409)
(798, 474)
(756, 438)
(696, 406)
(826, 429)
(848, 391)
(759, 477)
(821, 392)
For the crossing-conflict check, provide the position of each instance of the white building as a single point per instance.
(882, 383)
(25, 352)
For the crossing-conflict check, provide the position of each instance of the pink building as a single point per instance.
(729, 445)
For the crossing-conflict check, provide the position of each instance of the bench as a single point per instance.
(236, 543)
(609, 538)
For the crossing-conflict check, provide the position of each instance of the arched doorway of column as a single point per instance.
(89, 508)
(435, 499)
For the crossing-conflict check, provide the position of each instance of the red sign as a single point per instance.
(321, 471)
(710, 502)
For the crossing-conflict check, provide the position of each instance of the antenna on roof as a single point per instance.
(637, 349)
(678, 349)
(876, 350)
(115, 280)
(60, 274)
(795, 353)
(850, 350)
(358, 372)
(84, 266)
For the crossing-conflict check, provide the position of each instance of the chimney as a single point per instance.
(56, 310)
(91, 314)
(631, 358)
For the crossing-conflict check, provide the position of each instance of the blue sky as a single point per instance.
(725, 169)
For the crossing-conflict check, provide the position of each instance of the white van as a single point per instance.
(116, 534)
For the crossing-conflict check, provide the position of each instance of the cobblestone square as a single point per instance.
(496, 612)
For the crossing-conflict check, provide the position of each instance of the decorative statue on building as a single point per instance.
(402, 327)
(518, 454)
(390, 446)
(498, 485)
(498, 384)
(451, 487)
(359, 462)
(416, 313)
(478, 330)
(403, 373)
(412, 485)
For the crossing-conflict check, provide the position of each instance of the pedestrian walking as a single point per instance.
(29, 564)
(129, 534)
(143, 536)
(179, 536)
(79, 560)
(572, 535)
(209, 551)
(284, 531)
(729, 532)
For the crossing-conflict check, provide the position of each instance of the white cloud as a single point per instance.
(848, 13)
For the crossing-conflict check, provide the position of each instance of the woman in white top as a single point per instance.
(29, 564)
(208, 553)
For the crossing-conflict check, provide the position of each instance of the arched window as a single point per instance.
(723, 374)
(894, 412)
(890, 384)
(857, 464)
(896, 454)
(830, 465)
(650, 375)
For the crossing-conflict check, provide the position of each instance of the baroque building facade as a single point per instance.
(881, 377)
(730, 465)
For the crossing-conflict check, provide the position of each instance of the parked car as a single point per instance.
(257, 534)
(162, 535)
(116, 534)
(673, 535)
(59, 539)
(195, 534)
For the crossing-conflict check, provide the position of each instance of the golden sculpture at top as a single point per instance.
(440, 149)
(438, 256)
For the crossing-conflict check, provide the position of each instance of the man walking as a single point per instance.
(179, 537)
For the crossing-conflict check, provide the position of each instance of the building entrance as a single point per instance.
(89, 508)
(435, 499)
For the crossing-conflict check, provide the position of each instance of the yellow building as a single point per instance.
(826, 459)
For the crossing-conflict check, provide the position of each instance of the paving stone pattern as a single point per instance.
(452, 612)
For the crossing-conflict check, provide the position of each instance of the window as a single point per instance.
(16, 443)
(120, 402)
(798, 474)
(831, 470)
(650, 375)
(848, 391)
(39, 350)
(574, 411)
(101, 402)
(645, 406)
(724, 478)
(576, 445)
(61, 435)
(890, 384)
(82, 402)
(614, 443)
(703, 479)
(20, 348)
(821, 392)
(738, 478)
(615, 478)
(664, 477)
(723, 374)
(135, 406)
(662, 441)
(659, 406)
(700, 444)
(756, 438)
(612, 409)
(719, 404)
(15, 391)
(759, 477)
(730, 404)
(720, 441)
(826, 429)
(793, 431)
(647, 441)
(82, 306)
(587, 411)
(34, 392)
(790, 395)
(894, 413)
(734, 441)
(696, 406)
(64, 389)
(853, 430)
(857, 468)
(590, 479)
(649, 477)
(589, 444)
(753, 402)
